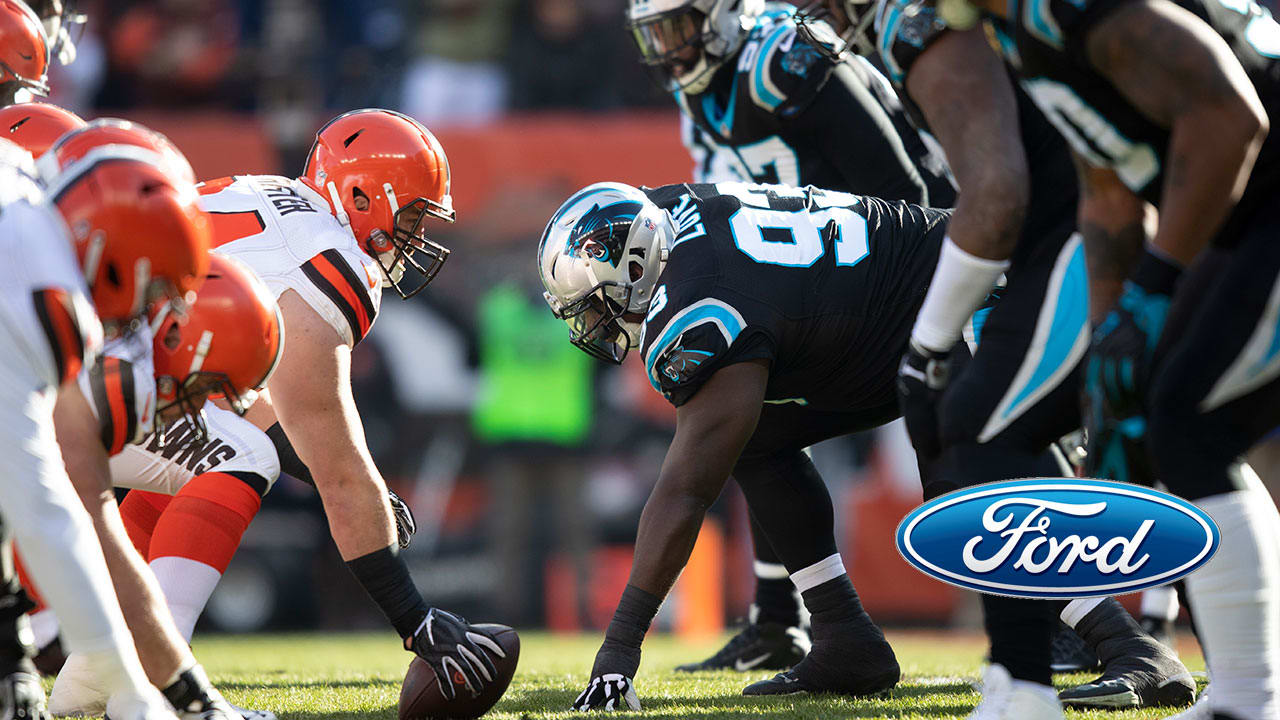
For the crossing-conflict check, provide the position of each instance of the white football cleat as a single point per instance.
(77, 691)
(133, 705)
(1004, 698)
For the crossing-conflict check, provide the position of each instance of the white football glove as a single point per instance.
(608, 692)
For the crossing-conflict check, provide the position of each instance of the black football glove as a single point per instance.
(458, 653)
(406, 526)
(608, 692)
(922, 377)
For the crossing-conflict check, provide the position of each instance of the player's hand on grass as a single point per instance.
(611, 691)
(922, 377)
(406, 525)
(458, 653)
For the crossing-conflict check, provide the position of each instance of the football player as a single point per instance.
(325, 245)
(993, 419)
(24, 53)
(769, 106)
(139, 237)
(1167, 104)
(772, 318)
(165, 657)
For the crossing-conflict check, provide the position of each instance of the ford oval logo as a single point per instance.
(1057, 538)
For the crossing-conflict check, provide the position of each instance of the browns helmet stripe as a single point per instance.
(331, 274)
(57, 317)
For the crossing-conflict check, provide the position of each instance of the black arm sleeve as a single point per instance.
(860, 137)
(290, 463)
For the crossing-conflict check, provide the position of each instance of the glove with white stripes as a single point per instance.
(458, 653)
(406, 525)
(608, 692)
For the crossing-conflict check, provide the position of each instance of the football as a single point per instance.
(421, 698)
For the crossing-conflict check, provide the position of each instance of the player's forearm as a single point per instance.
(1113, 223)
(1211, 153)
(669, 527)
(359, 517)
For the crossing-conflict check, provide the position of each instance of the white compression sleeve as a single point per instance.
(960, 283)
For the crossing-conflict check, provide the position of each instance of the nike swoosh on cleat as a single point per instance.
(744, 665)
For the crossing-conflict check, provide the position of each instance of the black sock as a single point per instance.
(833, 601)
(776, 601)
(776, 598)
(386, 578)
(1020, 632)
(1108, 630)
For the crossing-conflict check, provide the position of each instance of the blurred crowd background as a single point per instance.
(526, 462)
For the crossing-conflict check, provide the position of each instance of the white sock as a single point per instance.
(1075, 610)
(1160, 603)
(1237, 608)
(811, 577)
(770, 571)
(44, 627)
(187, 586)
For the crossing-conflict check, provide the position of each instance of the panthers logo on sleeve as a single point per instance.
(904, 30)
(783, 72)
(688, 346)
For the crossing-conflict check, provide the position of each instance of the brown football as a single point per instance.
(421, 698)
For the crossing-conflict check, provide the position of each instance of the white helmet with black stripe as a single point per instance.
(599, 259)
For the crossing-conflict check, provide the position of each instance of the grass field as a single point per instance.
(339, 676)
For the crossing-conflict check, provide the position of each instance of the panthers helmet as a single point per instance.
(599, 259)
(227, 345)
(385, 174)
(24, 50)
(686, 41)
(36, 126)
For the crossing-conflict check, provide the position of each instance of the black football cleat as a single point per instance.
(1137, 671)
(1069, 653)
(758, 646)
(852, 659)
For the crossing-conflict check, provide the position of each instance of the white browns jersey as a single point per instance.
(288, 234)
(48, 326)
(233, 446)
(121, 389)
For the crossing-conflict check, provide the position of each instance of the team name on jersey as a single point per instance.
(688, 220)
(182, 445)
(283, 197)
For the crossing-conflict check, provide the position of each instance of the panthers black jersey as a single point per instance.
(825, 285)
(791, 115)
(1046, 45)
(903, 37)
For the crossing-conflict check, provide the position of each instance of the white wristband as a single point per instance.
(961, 282)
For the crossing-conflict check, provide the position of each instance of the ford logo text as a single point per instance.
(1057, 538)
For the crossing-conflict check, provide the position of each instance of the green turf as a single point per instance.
(335, 676)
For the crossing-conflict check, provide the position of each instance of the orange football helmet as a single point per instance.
(114, 131)
(24, 48)
(227, 345)
(139, 234)
(36, 126)
(384, 174)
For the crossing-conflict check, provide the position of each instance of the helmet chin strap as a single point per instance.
(336, 200)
